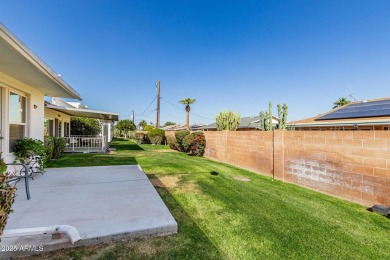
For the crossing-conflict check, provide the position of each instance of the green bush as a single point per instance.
(26, 147)
(54, 147)
(172, 143)
(131, 135)
(179, 138)
(59, 146)
(142, 138)
(156, 136)
(7, 195)
(147, 128)
(49, 144)
(84, 126)
(195, 143)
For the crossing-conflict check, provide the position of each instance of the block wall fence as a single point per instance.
(352, 165)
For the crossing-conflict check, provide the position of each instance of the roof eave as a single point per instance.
(20, 48)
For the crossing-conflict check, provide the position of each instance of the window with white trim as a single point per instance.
(17, 118)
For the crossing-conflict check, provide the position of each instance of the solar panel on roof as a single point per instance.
(363, 109)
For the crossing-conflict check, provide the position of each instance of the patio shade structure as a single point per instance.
(85, 112)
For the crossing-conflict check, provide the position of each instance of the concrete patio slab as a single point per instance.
(103, 203)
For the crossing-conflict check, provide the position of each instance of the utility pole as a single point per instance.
(133, 117)
(158, 105)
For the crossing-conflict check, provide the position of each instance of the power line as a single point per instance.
(148, 106)
(184, 109)
(169, 102)
(171, 114)
(202, 117)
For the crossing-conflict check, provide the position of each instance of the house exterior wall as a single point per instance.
(53, 114)
(34, 111)
(352, 165)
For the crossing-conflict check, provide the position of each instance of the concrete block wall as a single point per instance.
(353, 165)
(250, 150)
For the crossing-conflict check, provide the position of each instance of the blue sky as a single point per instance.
(233, 55)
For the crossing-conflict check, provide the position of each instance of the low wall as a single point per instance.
(354, 165)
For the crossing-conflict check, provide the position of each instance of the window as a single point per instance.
(66, 129)
(48, 127)
(59, 128)
(17, 118)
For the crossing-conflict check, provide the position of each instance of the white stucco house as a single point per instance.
(25, 80)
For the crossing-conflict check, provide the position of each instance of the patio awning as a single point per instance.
(19, 62)
(85, 112)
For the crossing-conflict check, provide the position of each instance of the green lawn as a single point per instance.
(221, 217)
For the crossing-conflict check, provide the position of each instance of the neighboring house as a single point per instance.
(25, 80)
(246, 124)
(59, 112)
(364, 115)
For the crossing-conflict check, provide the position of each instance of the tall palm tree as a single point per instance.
(187, 102)
(341, 102)
(142, 124)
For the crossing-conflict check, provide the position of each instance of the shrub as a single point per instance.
(84, 126)
(142, 138)
(59, 146)
(49, 144)
(54, 147)
(195, 143)
(26, 147)
(172, 143)
(156, 136)
(179, 138)
(147, 128)
(7, 195)
(132, 135)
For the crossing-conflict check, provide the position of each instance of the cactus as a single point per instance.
(266, 118)
(269, 117)
(262, 120)
(228, 120)
(284, 117)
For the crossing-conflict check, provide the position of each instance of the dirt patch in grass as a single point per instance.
(166, 151)
(165, 181)
(239, 178)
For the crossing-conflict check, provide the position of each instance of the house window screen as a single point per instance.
(17, 119)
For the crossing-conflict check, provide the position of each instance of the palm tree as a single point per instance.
(187, 102)
(341, 102)
(142, 124)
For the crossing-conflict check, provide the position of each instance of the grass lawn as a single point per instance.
(221, 217)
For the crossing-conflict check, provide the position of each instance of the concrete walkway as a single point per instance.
(103, 203)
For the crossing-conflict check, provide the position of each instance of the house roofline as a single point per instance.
(33, 59)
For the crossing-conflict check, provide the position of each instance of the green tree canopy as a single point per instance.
(169, 123)
(84, 126)
(341, 102)
(125, 125)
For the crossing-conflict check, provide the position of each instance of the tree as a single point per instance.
(341, 102)
(228, 120)
(84, 126)
(169, 123)
(187, 102)
(124, 126)
(142, 124)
